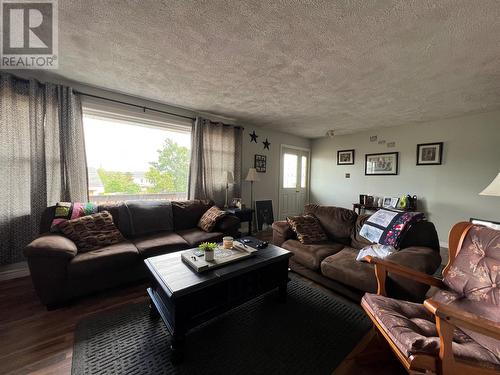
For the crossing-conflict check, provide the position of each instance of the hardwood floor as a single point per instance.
(36, 341)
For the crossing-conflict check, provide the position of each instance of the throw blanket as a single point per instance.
(67, 211)
(387, 227)
(150, 216)
(377, 251)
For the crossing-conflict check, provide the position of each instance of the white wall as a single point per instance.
(268, 186)
(448, 193)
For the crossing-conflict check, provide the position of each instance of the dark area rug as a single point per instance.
(310, 334)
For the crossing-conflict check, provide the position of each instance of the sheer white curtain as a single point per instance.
(215, 150)
(42, 157)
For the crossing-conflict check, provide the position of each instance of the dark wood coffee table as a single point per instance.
(184, 299)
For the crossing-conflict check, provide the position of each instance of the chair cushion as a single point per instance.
(412, 328)
(120, 255)
(159, 243)
(92, 232)
(344, 268)
(195, 236)
(307, 228)
(475, 272)
(209, 219)
(311, 255)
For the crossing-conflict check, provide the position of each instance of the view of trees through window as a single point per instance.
(130, 161)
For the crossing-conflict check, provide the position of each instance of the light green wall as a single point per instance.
(448, 193)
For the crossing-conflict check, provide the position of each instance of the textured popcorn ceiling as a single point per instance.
(301, 67)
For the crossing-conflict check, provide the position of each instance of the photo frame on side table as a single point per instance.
(345, 157)
(390, 202)
(264, 213)
(382, 164)
(430, 153)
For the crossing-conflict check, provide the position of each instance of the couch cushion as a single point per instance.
(196, 236)
(336, 221)
(358, 241)
(188, 213)
(412, 328)
(159, 243)
(91, 232)
(344, 268)
(149, 216)
(307, 228)
(311, 255)
(120, 255)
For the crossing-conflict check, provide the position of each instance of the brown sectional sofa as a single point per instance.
(60, 273)
(333, 263)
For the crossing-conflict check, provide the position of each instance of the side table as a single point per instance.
(244, 214)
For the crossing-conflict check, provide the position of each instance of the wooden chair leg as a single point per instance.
(446, 359)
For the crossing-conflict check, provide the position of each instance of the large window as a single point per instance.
(134, 155)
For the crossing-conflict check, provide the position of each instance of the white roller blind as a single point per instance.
(134, 115)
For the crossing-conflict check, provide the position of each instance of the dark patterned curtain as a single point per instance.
(42, 157)
(215, 150)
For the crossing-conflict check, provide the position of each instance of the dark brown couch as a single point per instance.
(60, 273)
(333, 263)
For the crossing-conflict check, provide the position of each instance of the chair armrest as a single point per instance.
(464, 319)
(382, 266)
(282, 232)
(51, 245)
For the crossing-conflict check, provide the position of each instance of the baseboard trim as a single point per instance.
(14, 271)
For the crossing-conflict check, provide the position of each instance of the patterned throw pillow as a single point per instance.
(209, 219)
(307, 228)
(66, 211)
(92, 232)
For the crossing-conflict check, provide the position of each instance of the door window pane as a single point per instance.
(303, 172)
(289, 170)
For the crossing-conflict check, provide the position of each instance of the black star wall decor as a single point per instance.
(253, 137)
(266, 144)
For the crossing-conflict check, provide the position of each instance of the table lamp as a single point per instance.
(252, 176)
(493, 188)
(229, 180)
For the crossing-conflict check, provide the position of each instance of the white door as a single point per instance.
(294, 181)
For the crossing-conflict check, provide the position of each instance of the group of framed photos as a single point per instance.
(386, 163)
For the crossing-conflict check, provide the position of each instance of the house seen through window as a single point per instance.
(132, 159)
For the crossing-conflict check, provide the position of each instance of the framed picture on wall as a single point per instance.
(430, 153)
(383, 164)
(260, 163)
(345, 157)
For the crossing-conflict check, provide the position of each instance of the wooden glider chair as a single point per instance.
(457, 331)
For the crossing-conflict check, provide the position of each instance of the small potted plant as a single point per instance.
(209, 249)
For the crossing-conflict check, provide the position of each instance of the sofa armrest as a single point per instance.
(51, 245)
(228, 224)
(48, 258)
(409, 271)
(282, 232)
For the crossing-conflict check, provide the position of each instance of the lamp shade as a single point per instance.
(493, 188)
(252, 175)
(229, 177)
